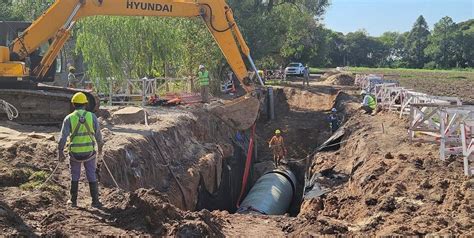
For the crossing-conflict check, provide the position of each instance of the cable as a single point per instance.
(9, 109)
(42, 184)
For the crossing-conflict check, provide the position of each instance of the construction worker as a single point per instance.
(83, 130)
(306, 75)
(72, 81)
(334, 122)
(278, 146)
(203, 76)
(369, 103)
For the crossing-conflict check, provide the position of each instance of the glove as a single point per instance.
(270, 146)
(61, 156)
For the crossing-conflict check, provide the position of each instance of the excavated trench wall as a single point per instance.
(301, 114)
(193, 158)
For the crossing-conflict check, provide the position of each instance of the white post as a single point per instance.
(442, 139)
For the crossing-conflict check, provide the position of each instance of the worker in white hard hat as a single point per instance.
(203, 76)
(278, 147)
(369, 102)
(334, 121)
(306, 76)
(72, 81)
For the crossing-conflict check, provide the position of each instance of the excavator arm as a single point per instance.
(57, 21)
(56, 24)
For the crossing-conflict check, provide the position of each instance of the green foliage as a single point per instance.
(444, 46)
(277, 32)
(22, 10)
(416, 43)
(36, 180)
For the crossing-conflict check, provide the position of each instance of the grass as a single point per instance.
(316, 70)
(276, 82)
(36, 180)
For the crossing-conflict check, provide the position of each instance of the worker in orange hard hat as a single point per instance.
(83, 130)
(278, 147)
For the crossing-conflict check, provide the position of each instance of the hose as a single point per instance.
(211, 22)
(9, 109)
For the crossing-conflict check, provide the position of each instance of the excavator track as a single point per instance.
(43, 104)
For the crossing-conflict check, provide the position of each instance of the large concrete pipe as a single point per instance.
(271, 194)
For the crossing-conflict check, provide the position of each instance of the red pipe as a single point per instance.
(248, 162)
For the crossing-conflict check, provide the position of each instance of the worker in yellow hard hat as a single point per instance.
(278, 147)
(83, 130)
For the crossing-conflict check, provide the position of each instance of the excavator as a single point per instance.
(30, 58)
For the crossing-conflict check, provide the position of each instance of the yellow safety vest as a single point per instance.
(372, 102)
(82, 132)
(203, 78)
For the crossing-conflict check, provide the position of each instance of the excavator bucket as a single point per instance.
(240, 113)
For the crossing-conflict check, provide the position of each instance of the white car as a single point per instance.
(295, 69)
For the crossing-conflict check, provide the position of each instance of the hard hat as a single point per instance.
(277, 132)
(201, 66)
(363, 92)
(71, 68)
(79, 98)
(333, 110)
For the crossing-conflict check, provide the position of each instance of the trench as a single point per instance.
(199, 163)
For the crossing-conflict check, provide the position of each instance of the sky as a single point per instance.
(379, 16)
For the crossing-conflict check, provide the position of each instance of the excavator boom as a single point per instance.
(56, 23)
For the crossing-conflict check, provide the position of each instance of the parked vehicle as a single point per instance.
(295, 69)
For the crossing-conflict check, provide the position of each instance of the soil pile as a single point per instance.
(149, 211)
(389, 186)
(341, 79)
(329, 74)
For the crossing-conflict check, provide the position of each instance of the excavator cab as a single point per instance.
(9, 31)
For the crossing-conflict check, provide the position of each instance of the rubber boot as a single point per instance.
(94, 189)
(74, 189)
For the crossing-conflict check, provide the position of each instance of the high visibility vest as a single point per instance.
(372, 102)
(82, 136)
(203, 78)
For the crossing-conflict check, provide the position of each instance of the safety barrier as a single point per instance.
(432, 119)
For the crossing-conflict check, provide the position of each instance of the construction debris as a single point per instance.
(129, 115)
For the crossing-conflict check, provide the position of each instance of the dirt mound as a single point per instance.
(150, 211)
(11, 223)
(394, 187)
(329, 74)
(341, 79)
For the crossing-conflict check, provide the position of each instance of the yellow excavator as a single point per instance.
(25, 66)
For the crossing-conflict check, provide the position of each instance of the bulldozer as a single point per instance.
(29, 56)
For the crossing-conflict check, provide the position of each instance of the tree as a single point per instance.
(335, 44)
(280, 31)
(467, 43)
(394, 43)
(417, 42)
(445, 46)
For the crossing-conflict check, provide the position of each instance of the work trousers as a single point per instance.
(306, 80)
(278, 154)
(205, 93)
(367, 109)
(90, 167)
(334, 125)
